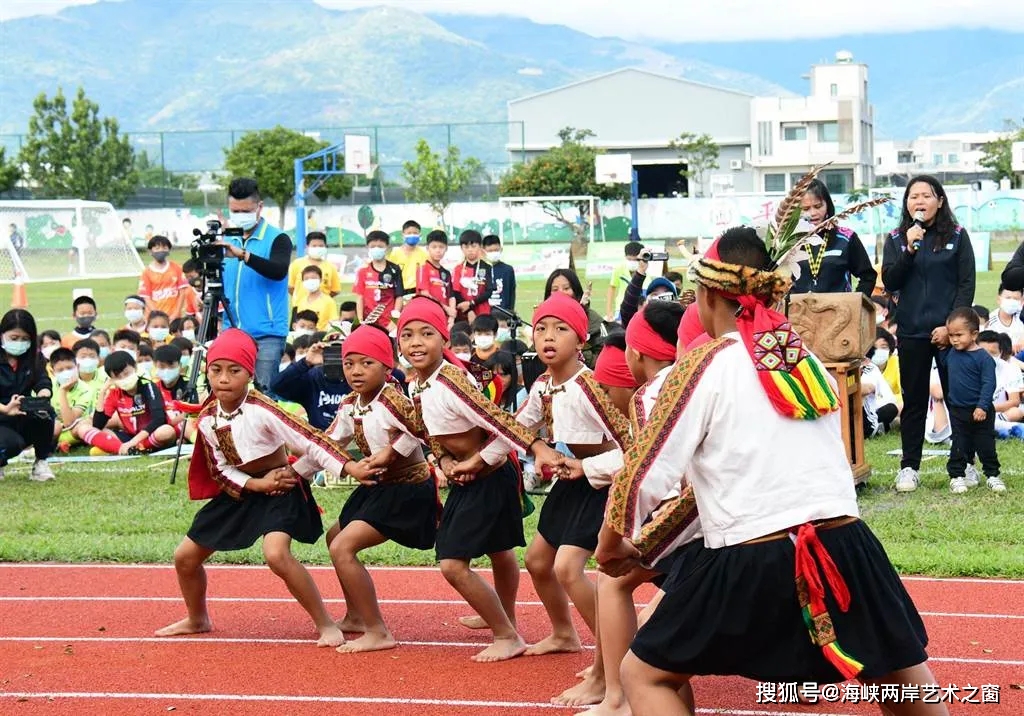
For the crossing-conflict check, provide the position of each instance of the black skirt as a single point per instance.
(225, 524)
(572, 514)
(667, 564)
(406, 513)
(735, 611)
(484, 516)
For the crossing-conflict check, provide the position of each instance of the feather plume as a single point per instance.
(833, 221)
(791, 203)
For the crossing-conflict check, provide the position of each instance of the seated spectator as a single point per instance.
(83, 310)
(49, 341)
(1009, 379)
(306, 382)
(462, 346)
(144, 361)
(189, 328)
(503, 366)
(74, 397)
(158, 328)
(315, 301)
(135, 314)
(102, 339)
(884, 356)
(23, 375)
(880, 409)
(128, 341)
(1006, 318)
(304, 324)
(173, 387)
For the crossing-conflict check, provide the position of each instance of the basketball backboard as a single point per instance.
(357, 154)
(613, 168)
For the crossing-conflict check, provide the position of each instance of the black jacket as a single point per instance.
(28, 378)
(845, 257)
(1013, 274)
(929, 284)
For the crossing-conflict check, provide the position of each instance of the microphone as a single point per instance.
(919, 222)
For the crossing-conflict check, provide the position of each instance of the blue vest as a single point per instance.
(259, 303)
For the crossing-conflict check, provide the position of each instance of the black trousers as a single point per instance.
(915, 373)
(886, 414)
(19, 431)
(970, 438)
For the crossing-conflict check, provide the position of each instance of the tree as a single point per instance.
(437, 181)
(700, 153)
(997, 156)
(10, 172)
(566, 170)
(152, 175)
(77, 156)
(269, 155)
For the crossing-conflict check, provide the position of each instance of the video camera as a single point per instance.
(650, 256)
(207, 254)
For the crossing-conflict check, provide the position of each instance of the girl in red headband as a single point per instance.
(473, 440)
(572, 408)
(397, 495)
(240, 460)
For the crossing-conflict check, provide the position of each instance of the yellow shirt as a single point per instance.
(323, 305)
(409, 262)
(891, 373)
(330, 285)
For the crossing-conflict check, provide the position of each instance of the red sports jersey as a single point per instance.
(377, 287)
(135, 411)
(434, 281)
(473, 283)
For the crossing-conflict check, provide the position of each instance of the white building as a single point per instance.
(765, 143)
(946, 156)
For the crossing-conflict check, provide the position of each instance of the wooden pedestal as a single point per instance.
(847, 376)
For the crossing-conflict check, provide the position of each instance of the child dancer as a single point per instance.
(769, 507)
(397, 496)
(574, 410)
(240, 462)
(472, 439)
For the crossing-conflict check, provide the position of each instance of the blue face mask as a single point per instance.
(412, 239)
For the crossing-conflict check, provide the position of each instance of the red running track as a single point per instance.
(78, 639)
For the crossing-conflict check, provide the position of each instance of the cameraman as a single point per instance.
(256, 277)
(659, 288)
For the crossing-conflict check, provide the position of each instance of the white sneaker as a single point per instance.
(996, 484)
(907, 480)
(957, 485)
(971, 477)
(41, 472)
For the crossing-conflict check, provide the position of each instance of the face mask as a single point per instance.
(104, 352)
(16, 348)
(168, 375)
(412, 239)
(504, 334)
(317, 252)
(311, 284)
(186, 361)
(160, 256)
(130, 352)
(145, 368)
(464, 357)
(879, 319)
(66, 377)
(128, 382)
(159, 334)
(880, 357)
(483, 342)
(377, 253)
(346, 327)
(85, 321)
(189, 334)
(48, 351)
(133, 315)
(244, 220)
(1010, 306)
(303, 332)
(282, 366)
(88, 365)
(632, 265)
(494, 256)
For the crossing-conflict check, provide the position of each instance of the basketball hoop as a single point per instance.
(613, 168)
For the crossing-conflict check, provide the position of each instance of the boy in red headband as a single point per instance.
(569, 404)
(397, 495)
(612, 372)
(769, 507)
(240, 461)
(473, 440)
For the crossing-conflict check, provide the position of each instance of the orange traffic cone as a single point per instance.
(19, 297)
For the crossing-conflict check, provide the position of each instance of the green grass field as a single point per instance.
(128, 511)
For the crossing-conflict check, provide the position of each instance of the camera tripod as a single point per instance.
(213, 296)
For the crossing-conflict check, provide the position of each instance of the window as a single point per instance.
(905, 157)
(794, 132)
(764, 139)
(795, 178)
(953, 158)
(828, 131)
(838, 181)
(833, 90)
(936, 159)
(775, 182)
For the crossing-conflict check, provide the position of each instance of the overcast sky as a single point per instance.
(697, 20)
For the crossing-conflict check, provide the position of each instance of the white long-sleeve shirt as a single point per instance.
(753, 471)
(385, 421)
(581, 414)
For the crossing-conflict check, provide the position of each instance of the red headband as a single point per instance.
(370, 342)
(236, 346)
(564, 308)
(429, 311)
(690, 328)
(611, 369)
(642, 338)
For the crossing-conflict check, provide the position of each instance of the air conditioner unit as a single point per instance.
(735, 163)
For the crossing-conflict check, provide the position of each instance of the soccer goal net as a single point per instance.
(52, 240)
(547, 219)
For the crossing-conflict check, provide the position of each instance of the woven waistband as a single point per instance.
(411, 475)
(828, 524)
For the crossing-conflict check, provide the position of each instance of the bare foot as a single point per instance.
(608, 708)
(330, 636)
(369, 642)
(501, 650)
(584, 673)
(591, 691)
(555, 645)
(473, 622)
(352, 625)
(186, 626)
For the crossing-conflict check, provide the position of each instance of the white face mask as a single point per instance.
(134, 315)
(494, 256)
(465, 357)
(317, 252)
(130, 352)
(66, 377)
(189, 334)
(303, 332)
(245, 220)
(168, 375)
(159, 334)
(282, 366)
(1010, 306)
(504, 334)
(879, 319)
(483, 342)
(632, 265)
(128, 382)
(311, 284)
(377, 253)
(145, 368)
(48, 351)
(88, 365)
(16, 348)
(880, 357)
